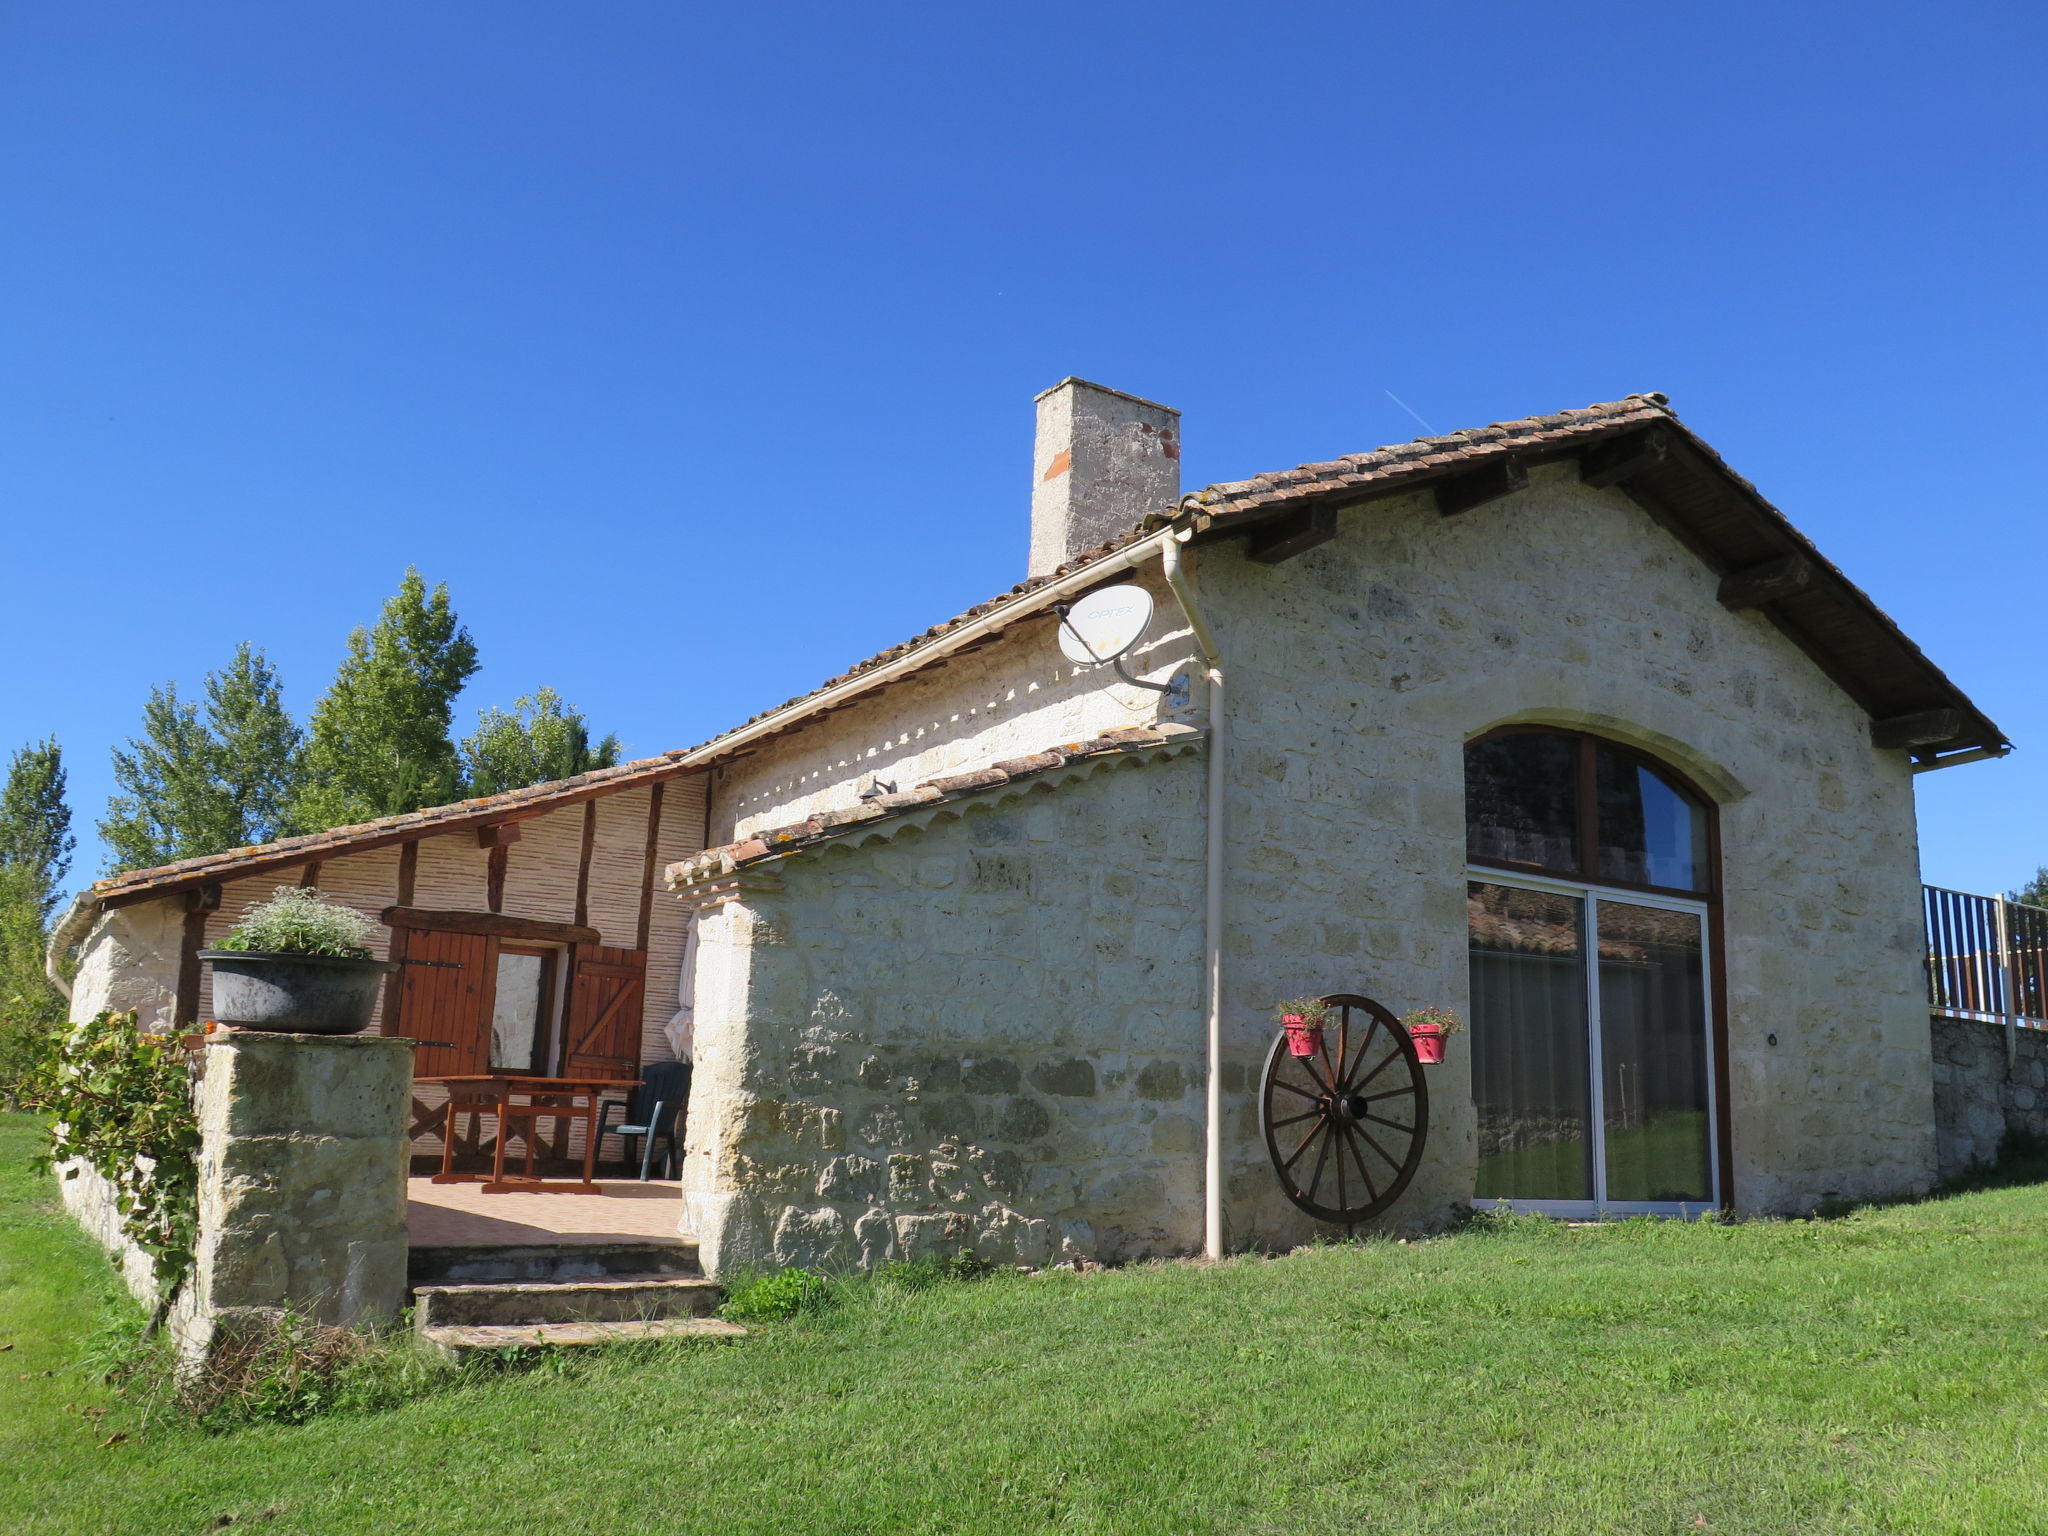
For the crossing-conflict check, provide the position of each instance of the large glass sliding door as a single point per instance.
(1591, 1052)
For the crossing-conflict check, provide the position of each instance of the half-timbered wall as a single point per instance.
(547, 875)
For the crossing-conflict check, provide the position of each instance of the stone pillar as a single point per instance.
(302, 1169)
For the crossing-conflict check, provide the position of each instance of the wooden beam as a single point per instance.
(1755, 585)
(583, 861)
(1461, 493)
(494, 877)
(499, 834)
(1625, 457)
(494, 924)
(1291, 534)
(394, 984)
(309, 878)
(198, 904)
(649, 864)
(1929, 727)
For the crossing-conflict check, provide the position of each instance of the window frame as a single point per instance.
(1589, 895)
(1586, 801)
(545, 1023)
(1709, 896)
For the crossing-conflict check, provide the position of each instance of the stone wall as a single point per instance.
(1015, 696)
(982, 1030)
(1978, 1100)
(1359, 671)
(91, 1200)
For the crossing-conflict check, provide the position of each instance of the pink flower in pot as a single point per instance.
(1429, 1028)
(1303, 1019)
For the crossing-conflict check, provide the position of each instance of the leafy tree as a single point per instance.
(168, 807)
(2035, 891)
(256, 746)
(379, 743)
(194, 784)
(538, 740)
(35, 856)
(35, 823)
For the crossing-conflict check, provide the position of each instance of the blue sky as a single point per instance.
(694, 347)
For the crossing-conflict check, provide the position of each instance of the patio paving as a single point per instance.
(461, 1215)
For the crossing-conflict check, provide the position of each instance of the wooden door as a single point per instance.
(606, 996)
(448, 981)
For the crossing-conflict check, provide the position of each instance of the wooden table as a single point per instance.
(511, 1096)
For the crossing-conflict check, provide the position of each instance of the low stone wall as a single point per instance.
(1978, 1101)
(90, 1200)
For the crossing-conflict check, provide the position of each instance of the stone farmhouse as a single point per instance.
(1556, 723)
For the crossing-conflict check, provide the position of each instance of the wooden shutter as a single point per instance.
(606, 997)
(448, 982)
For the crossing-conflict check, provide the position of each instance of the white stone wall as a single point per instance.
(983, 1032)
(129, 963)
(1015, 696)
(1358, 672)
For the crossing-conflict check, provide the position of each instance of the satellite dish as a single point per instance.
(1105, 624)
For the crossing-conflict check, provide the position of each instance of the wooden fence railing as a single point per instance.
(1987, 958)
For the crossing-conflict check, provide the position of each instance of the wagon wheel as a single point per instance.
(1345, 1127)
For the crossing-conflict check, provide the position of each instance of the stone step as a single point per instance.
(463, 1343)
(635, 1298)
(483, 1264)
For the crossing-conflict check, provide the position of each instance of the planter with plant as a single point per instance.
(1303, 1019)
(1429, 1028)
(297, 965)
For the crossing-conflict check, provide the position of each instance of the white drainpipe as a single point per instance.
(1212, 911)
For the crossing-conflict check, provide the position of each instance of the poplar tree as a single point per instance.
(538, 740)
(379, 743)
(35, 823)
(168, 806)
(256, 746)
(196, 783)
(35, 856)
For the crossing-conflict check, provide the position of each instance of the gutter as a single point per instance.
(1956, 759)
(1212, 907)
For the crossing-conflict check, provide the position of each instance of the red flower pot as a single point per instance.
(1429, 1046)
(1303, 1038)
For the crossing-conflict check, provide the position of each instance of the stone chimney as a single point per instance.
(1102, 461)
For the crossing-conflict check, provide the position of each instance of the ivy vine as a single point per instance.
(122, 1102)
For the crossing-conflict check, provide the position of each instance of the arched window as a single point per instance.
(1569, 804)
(1590, 905)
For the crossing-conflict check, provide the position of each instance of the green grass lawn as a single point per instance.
(1883, 1372)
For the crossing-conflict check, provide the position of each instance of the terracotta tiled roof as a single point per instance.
(729, 858)
(1424, 458)
(440, 818)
